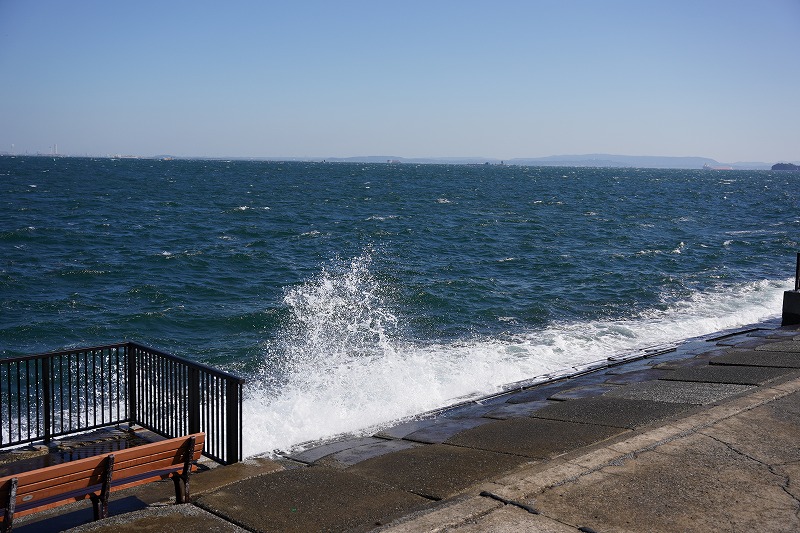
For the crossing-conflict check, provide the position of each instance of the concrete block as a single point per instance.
(437, 471)
(533, 437)
(759, 358)
(781, 346)
(311, 499)
(791, 308)
(740, 375)
(585, 391)
(444, 429)
(352, 456)
(608, 411)
(679, 391)
(516, 410)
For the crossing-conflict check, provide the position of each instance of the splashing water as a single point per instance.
(345, 367)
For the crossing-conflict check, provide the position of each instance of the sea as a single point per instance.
(355, 295)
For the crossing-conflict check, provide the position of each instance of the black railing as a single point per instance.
(60, 393)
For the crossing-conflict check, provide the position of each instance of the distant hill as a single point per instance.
(610, 160)
(785, 166)
(586, 160)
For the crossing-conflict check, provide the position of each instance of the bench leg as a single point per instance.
(181, 488)
(100, 502)
(8, 517)
(182, 480)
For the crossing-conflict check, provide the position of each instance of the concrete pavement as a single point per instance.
(702, 436)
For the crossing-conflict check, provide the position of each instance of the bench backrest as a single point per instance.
(76, 480)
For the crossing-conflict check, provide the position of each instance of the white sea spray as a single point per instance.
(347, 368)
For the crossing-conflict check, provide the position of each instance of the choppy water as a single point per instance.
(357, 294)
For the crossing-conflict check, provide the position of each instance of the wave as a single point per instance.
(342, 364)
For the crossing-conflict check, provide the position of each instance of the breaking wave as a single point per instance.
(343, 365)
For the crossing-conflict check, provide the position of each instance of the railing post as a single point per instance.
(194, 400)
(48, 399)
(130, 358)
(233, 425)
(797, 274)
(791, 300)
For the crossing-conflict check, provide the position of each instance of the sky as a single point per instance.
(432, 78)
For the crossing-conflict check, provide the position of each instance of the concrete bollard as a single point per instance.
(791, 308)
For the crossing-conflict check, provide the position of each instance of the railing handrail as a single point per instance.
(59, 353)
(74, 390)
(187, 362)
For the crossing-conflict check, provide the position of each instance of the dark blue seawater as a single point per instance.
(355, 294)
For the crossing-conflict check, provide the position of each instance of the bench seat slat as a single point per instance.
(161, 458)
(88, 464)
(60, 484)
(51, 500)
(30, 482)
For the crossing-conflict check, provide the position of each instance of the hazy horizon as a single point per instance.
(309, 80)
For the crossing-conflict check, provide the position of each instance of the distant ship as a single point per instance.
(709, 167)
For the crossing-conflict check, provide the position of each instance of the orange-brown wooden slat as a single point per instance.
(64, 469)
(176, 454)
(77, 479)
(87, 477)
(143, 469)
(89, 463)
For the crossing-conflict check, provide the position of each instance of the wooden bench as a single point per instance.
(96, 477)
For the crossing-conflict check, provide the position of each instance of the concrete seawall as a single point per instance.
(702, 436)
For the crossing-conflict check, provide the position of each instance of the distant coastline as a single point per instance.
(583, 161)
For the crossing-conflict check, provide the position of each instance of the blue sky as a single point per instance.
(431, 78)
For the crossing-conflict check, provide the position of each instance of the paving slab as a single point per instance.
(315, 453)
(636, 376)
(759, 358)
(538, 393)
(774, 333)
(310, 499)
(695, 483)
(512, 519)
(436, 471)
(741, 342)
(536, 438)
(780, 419)
(472, 410)
(678, 364)
(739, 375)
(781, 346)
(172, 518)
(445, 516)
(406, 428)
(444, 429)
(355, 455)
(615, 412)
(679, 391)
(640, 364)
(585, 391)
(516, 410)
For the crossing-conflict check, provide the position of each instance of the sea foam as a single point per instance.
(344, 366)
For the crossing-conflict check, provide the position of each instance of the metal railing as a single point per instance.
(60, 393)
